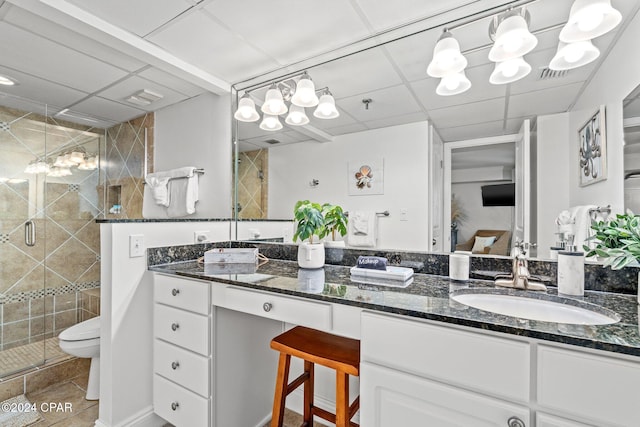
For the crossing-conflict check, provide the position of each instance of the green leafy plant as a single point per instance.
(310, 221)
(617, 240)
(334, 220)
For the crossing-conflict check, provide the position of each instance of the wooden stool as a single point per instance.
(313, 346)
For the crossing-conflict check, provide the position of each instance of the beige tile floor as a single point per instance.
(83, 412)
(15, 359)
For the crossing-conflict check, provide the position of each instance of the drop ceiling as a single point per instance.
(87, 56)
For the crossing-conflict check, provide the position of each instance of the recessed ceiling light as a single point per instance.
(7, 81)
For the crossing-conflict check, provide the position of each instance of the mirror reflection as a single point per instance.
(501, 155)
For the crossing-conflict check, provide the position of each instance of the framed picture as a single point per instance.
(365, 177)
(593, 149)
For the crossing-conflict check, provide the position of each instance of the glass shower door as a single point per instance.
(23, 306)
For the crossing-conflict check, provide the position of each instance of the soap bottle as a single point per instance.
(571, 271)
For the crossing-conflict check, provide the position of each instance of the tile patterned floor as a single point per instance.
(17, 358)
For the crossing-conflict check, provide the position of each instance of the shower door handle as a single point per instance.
(29, 233)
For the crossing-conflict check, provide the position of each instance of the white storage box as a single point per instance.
(391, 273)
(231, 255)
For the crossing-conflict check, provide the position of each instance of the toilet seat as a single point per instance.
(89, 329)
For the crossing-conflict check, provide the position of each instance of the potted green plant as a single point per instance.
(309, 223)
(617, 241)
(335, 221)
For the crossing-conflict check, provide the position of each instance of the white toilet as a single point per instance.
(83, 340)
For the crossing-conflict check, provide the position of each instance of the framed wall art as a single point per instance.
(593, 149)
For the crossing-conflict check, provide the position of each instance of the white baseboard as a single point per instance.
(295, 402)
(143, 418)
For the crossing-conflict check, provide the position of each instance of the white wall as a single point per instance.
(406, 171)
(126, 292)
(197, 132)
(480, 217)
(552, 175)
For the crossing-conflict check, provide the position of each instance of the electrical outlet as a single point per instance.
(202, 236)
(136, 245)
(404, 214)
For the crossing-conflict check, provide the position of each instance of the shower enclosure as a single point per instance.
(50, 195)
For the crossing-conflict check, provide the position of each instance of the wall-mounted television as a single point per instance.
(499, 194)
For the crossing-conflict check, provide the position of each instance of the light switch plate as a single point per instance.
(136, 245)
(404, 214)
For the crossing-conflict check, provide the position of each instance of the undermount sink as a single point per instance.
(533, 306)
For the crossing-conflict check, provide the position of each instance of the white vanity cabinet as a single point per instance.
(418, 373)
(182, 351)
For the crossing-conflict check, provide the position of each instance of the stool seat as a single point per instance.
(332, 351)
(316, 347)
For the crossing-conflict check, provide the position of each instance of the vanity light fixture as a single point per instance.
(297, 116)
(512, 38)
(246, 111)
(305, 94)
(447, 58)
(589, 19)
(326, 108)
(273, 102)
(7, 81)
(574, 55)
(509, 71)
(453, 84)
(270, 122)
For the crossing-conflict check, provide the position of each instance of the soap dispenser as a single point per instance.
(571, 271)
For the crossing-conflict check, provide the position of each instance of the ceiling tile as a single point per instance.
(165, 79)
(44, 58)
(66, 37)
(125, 88)
(480, 130)
(341, 130)
(545, 101)
(412, 54)
(396, 120)
(468, 114)
(139, 17)
(342, 120)
(199, 40)
(290, 31)
(106, 109)
(387, 102)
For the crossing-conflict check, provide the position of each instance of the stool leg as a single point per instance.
(342, 399)
(308, 394)
(280, 395)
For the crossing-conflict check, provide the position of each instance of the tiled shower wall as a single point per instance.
(253, 176)
(125, 166)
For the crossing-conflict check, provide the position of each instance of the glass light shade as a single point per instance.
(447, 58)
(453, 84)
(305, 95)
(297, 116)
(246, 111)
(509, 71)
(574, 55)
(589, 19)
(76, 157)
(31, 168)
(326, 108)
(93, 162)
(270, 122)
(60, 161)
(513, 39)
(273, 102)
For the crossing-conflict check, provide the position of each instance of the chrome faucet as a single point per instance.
(520, 276)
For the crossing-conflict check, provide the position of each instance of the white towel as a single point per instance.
(582, 225)
(183, 195)
(362, 229)
(159, 183)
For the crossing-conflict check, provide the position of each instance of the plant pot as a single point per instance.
(311, 280)
(310, 255)
(334, 244)
(334, 250)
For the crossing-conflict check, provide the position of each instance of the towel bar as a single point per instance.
(199, 171)
(384, 213)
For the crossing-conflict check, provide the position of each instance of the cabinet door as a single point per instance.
(391, 398)
(546, 420)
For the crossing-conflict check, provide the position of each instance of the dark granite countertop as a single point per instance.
(132, 220)
(428, 297)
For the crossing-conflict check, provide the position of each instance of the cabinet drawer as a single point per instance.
(181, 327)
(179, 406)
(182, 293)
(182, 366)
(477, 361)
(391, 398)
(584, 385)
(287, 309)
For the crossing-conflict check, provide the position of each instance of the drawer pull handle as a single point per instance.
(515, 422)
(174, 326)
(175, 405)
(175, 365)
(267, 306)
(175, 291)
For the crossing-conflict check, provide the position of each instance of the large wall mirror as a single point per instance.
(432, 154)
(631, 114)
